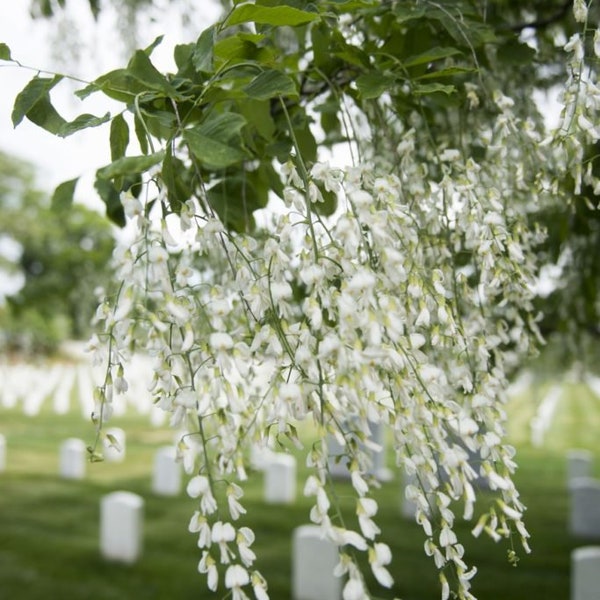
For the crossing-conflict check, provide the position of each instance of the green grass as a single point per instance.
(49, 526)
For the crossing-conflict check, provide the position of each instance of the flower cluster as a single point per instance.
(408, 308)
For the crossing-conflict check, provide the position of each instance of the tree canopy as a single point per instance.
(400, 289)
(63, 256)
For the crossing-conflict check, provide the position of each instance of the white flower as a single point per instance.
(367, 508)
(131, 205)
(447, 537)
(259, 585)
(450, 155)
(354, 589)
(197, 486)
(220, 341)
(361, 281)
(244, 539)
(234, 493)
(157, 255)
(379, 556)
(200, 486)
(207, 565)
(343, 537)
(222, 533)
(358, 483)
(330, 177)
(580, 10)
(235, 578)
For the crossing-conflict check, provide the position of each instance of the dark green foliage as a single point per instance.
(65, 253)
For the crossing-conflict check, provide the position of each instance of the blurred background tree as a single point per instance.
(59, 258)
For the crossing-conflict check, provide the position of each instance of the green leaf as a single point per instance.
(62, 198)
(269, 84)
(82, 122)
(112, 200)
(431, 55)
(432, 88)
(449, 72)
(128, 165)
(234, 199)
(118, 84)
(270, 15)
(141, 134)
(4, 52)
(173, 175)
(372, 85)
(408, 13)
(329, 204)
(142, 69)
(33, 92)
(258, 114)
(203, 55)
(44, 115)
(243, 46)
(119, 137)
(213, 153)
(515, 53)
(157, 41)
(224, 126)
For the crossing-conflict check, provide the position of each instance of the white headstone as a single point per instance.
(379, 468)
(585, 573)
(2, 453)
(166, 477)
(114, 450)
(260, 456)
(280, 479)
(72, 459)
(584, 518)
(121, 523)
(579, 464)
(314, 559)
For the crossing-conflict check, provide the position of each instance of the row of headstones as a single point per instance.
(314, 557)
(584, 490)
(584, 522)
(279, 469)
(60, 382)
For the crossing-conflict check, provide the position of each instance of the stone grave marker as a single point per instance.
(114, 453)
(121, 526)
(260, 456)
(585, 573)
(72, 459)
(579, 464)
(62, 393)
(314, 559)
(166, 477)
(280, 479)
(584, 517)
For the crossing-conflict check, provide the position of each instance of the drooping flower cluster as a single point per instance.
(367, 319)
(406, 309)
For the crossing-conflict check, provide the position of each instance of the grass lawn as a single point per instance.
(49, 526)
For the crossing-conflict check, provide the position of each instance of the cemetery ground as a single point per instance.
(49, 526)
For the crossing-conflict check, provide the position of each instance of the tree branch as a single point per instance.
(541, 23)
